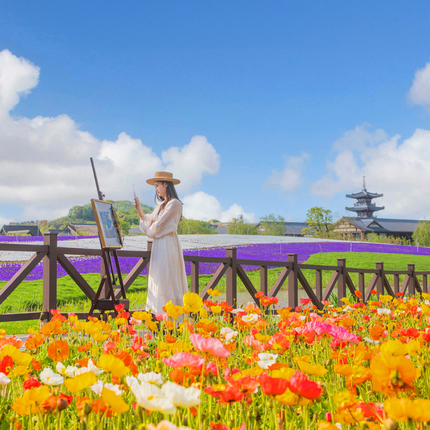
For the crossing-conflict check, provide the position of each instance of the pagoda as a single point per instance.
(364, 206)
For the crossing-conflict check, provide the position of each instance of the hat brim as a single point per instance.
(152, 181)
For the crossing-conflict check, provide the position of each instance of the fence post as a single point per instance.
(263, 279)
(49, 276)
(231, 278)
(396, 284)
(318, 284)
(411, 283)
(195, 277)
(380, 281)
(425, 285)
(293, 288)
(361, 287)
(341, 283)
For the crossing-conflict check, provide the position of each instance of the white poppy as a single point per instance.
(69, 371)
(151, 378)
(181, 396)
(250, 318)
(49, 377)
(383, 311)
(152, 398)
(4, 380)
(266, 359)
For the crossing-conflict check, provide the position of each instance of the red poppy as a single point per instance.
(304, 387)
(272, 386)
(6, 364)
(229, 394)
(259, 294)
(109, 348)
(30, 383)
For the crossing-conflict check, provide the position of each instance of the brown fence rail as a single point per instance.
(291, 274)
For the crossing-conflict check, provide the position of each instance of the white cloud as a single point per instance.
(45, 167)
(17, 77)
(419, 93)
(205, 207)
(288, 179)
(399, 170)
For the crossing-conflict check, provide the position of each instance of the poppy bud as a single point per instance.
(230, 423)
(390, 424)
(61, 404)
(329, 362)
(87, 408)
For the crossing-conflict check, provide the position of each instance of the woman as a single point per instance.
(166, 274)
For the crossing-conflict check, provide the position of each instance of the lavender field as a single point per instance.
(7, 239)
(268, 252)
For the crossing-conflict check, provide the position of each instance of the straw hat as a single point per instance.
(163, 177)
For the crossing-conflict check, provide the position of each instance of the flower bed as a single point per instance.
(267, 252)
(353, 367)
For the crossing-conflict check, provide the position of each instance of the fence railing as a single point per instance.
(291, 273)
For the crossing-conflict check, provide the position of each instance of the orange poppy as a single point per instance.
(58, 350)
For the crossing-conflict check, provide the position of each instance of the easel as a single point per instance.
(109, 279)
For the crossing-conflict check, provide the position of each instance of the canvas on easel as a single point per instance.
(110, 240)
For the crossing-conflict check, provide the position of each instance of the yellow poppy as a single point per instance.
(114, 401)
(80, 382)
(113, 365)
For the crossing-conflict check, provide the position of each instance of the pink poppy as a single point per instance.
(342, 334)
(184, 359)
(211, 345)
(253, 343)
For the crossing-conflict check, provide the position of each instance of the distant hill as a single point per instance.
(85, 215)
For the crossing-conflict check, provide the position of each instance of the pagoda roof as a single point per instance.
(383, 225)
(363, 194)
(365, 208)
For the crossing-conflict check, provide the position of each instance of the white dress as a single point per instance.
(166, 274)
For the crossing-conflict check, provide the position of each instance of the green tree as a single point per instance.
(239, 226)
(271, 225)
(320, 222)
(125, 226)
(194, 226)
(421, 235)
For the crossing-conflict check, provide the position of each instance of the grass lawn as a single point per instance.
(28, 296)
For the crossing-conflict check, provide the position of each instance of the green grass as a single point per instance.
(70, 298)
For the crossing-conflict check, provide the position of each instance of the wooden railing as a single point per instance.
(291, 273)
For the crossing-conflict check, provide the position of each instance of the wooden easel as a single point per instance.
(109, 279)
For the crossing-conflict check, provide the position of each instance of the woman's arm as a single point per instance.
(164, 222)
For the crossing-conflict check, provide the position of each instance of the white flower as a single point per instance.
(427, 302)
(151, 378)
(69, 371)
(250, 318)
(266, 360)
(93, 368)
(228, 333)
(152, 398)
(374, 342)
(48, 377)
(97, 387)
(181, 396)
(383, 311)
(236, 311)
(348, 308)
(4, 379)
(131, 380)
(113, 387)
(302, 317)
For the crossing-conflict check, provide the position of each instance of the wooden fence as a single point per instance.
(290, 273)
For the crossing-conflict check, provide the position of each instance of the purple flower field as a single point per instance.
(39, 238)
(268, 252)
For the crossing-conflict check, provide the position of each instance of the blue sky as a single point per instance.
(294, 102)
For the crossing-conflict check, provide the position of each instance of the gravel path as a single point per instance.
(192, 241)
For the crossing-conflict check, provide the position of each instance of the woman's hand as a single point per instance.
(138, 208)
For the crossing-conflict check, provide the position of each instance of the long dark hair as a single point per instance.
(170, 195)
